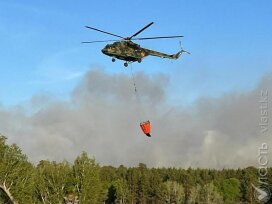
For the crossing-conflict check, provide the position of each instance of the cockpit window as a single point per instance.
(109, 47)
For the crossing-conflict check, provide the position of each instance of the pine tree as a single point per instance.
(230, 189)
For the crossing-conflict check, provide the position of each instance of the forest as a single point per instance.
(84, 181)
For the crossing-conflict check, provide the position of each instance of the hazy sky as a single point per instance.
(56, 92)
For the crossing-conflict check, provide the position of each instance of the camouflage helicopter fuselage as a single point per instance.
(129, 51)
(132, 52)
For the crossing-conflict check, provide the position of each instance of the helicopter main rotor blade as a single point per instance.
(129, 38)
(151, 38)
(104, 32)
(98, 41)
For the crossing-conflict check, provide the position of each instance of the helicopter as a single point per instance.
(129, 51)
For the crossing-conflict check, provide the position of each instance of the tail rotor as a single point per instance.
(182, 50)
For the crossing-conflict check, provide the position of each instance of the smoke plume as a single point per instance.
(103, 114)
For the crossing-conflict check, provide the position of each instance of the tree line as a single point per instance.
(86, 182)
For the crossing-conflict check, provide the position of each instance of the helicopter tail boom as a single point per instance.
(176, 56)
(163, 55)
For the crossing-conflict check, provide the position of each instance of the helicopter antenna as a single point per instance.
(129, 38)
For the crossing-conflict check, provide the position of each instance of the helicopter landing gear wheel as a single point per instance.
(125, 64)
(113, 59)
(139, 60)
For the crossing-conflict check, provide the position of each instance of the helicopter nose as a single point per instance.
(104, 50)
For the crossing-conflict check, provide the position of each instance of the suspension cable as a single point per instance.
(133, 79)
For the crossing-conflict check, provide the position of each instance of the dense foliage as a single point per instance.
(49, 182)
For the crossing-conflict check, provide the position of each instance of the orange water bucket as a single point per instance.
(146, 128)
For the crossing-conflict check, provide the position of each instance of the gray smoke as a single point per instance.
(103, 114)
